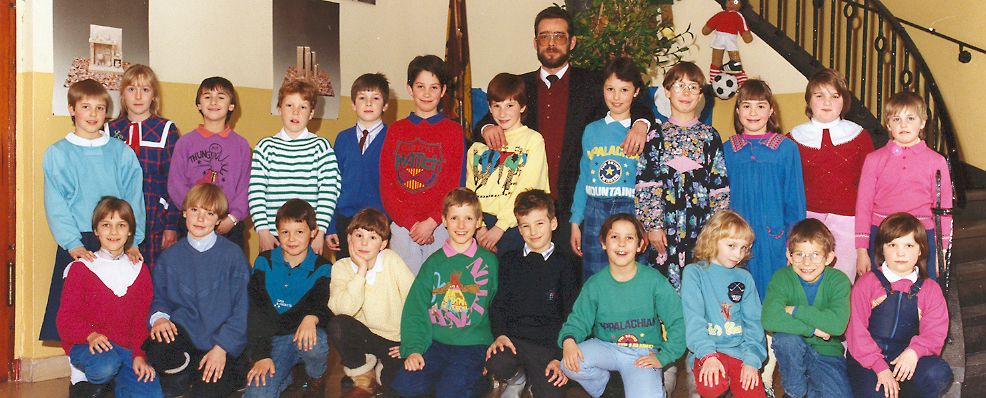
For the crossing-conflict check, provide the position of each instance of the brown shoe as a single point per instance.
(315, 388)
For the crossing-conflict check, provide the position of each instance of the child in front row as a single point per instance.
(899, 319)
(498, 175)
(199, 311)
(294, 163)
(722, 311)
(369, 289)
(607, 176)
(615, 324)
(807, 309)
(538, 286)
(682, 179)
(288, 317)
(105, 343)
(832, 153)
(215, 154)
(358, 151)
(445, 326)
(421, 161)
(79, 170)
(911, 188)
(153, 139)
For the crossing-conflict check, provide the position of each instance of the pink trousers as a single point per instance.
(844, 230)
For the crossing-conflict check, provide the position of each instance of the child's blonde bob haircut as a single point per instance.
(462, 197)
(207, 196)
(903, 102)
(135, 74)
(724, 224)
(110, 205)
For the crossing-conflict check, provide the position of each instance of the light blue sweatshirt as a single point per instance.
(604, 172)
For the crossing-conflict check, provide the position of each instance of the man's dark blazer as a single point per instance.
(585, 105)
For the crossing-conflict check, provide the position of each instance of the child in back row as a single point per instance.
(215, 154)
(153, 139)
(682, 179)
(421, 161)
(537, 287)
(498, 175)
(765, 182)
(607, 176)
(615, 324)
(294, 163)
(899, 319)
(105, 344)
(79, 170)
(358, 151)
(832, 153)
(199, 311)
(445, 326)
(912, 188)
(807, 309)
(722, 311)
(369, 289)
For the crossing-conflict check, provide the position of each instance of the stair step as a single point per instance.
(970, 281)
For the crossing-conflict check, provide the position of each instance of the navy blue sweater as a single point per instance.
(205, 293)
(360, 174)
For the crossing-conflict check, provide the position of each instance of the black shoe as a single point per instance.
(85, 389)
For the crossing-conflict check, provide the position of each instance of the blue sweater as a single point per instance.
(205, 293)
(604, 171)
(360, 174)
(77, 176)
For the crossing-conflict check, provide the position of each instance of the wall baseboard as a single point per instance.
(41, 369)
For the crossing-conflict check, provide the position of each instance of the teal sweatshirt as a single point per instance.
(449, 301)
(629, 313)
(829, 312)
(722, 313)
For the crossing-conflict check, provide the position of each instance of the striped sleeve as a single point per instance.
(330, 182)
(257, 194)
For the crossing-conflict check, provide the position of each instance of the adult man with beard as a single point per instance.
(561, 100)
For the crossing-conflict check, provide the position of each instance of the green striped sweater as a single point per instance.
(303, 168)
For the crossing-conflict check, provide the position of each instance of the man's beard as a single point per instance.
(553, 63)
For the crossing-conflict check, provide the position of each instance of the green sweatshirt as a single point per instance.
(629, 313)
(829, 313)
(449, 300)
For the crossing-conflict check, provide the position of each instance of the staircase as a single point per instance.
(864, 42)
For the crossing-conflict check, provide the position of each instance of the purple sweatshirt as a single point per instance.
(221, 158)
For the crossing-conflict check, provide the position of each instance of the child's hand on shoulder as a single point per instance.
(80, 253)
(212, 364)
(267, 240)
(501, 343)
(305, 337)
(571, 354)
(648, 361)
(260, 371)
(98, 343)
(885, 379)
(555, 376)
(749, 377)
(414, 362)
(712, 369)
(144, 372)
(133, 253)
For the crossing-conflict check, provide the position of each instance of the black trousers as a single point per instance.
(163, 356)
(532, 358)
(342, 224)
(353, 340)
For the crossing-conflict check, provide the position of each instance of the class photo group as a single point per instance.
(570, 239)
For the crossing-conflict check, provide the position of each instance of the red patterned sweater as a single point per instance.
(832, 156)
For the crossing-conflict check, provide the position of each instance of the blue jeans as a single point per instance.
(597, 210)
(286, 354)
(113, 365)
(805, 372)
(932, 251)
(932, 376)
(600, 357)
(450, 372)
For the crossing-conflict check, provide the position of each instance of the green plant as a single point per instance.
(632, 28)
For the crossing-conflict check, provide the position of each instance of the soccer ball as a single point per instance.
(724, 85)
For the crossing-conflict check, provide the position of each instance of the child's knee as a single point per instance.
(933, 373)
(103, 368)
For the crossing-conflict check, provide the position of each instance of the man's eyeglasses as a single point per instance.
(549, 37)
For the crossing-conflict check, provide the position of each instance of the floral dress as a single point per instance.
(681, 182)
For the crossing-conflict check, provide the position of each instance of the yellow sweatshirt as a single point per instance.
(377, 300)
(499, 176)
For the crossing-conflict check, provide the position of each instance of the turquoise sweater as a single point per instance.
(604, 171)
(722, 313)
(629, 313)
(829, 312)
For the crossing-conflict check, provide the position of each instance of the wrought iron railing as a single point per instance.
(865, 42)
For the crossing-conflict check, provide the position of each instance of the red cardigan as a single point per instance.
(89, 306)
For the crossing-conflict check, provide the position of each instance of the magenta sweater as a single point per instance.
(220, 158)
(931, 308)
(898, 179)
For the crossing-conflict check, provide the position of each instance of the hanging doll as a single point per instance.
(726, 26)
